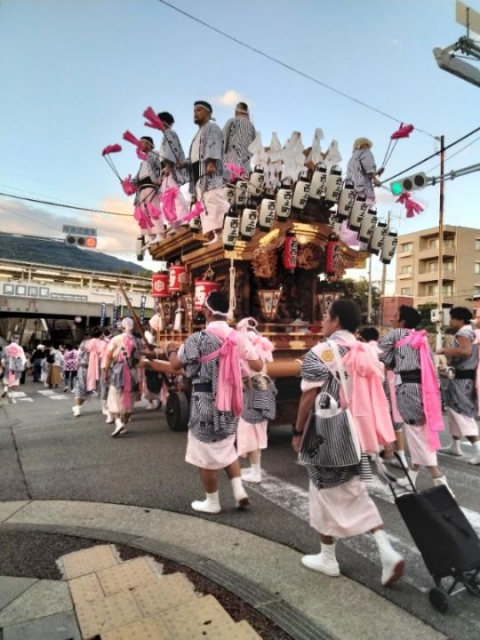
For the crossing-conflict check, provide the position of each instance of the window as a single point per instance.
(432, 289)
(477, 244)
(432, 266)
(477, 268)
(448, 266)
(447, 289)
(432, 243)
(406, 291)
(405, 247)
(449, 243)
(476, 290)
(407, 268)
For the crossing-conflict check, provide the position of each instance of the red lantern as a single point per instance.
(203, 288)
(177, 278)
(332, 263)
(160, 285)
(290, 251)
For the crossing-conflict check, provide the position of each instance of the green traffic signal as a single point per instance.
(396, 188)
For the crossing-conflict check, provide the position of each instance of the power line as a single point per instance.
(64, 206)
(288, 66)
(454, 154)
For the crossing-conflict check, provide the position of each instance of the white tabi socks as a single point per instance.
(475, 459)
(119, 428)
(405, 482)
(254, 474)
(239, 493)
(211, 504)
(325, 561)
(454, 448)
(393, 565)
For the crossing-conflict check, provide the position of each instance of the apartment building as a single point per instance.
(417, 266)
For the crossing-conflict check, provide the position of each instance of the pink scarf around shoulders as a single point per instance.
(431, 400)
(94, 349)
(230, 387)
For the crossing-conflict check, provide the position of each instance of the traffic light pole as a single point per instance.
(440, 241)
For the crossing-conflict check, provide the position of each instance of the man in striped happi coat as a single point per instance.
(405, 361)
(205, 167)
(461, 394)
(211, 431)
(238, 135)
(340, 506)
(171, 151)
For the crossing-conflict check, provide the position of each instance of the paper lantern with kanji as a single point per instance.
(333, 257)
(203, 289)
(178, 278)
(290, 251)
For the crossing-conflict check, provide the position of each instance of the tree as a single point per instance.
(358, 290)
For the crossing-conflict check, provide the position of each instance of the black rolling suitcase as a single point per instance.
(447, 541)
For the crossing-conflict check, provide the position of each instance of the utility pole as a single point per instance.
(369, 298)
(440, 241)
(383, 281)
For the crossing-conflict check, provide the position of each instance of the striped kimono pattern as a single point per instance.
(461, 395)
(238, 135)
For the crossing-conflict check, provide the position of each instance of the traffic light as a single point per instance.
(87, 242)
(410, 183)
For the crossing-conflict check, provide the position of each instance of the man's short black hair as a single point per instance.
(166, 117)
(369, 334)
(242, 106)
(147, 139)
(218, 301)
(348, 313)
(461, 313)
(410, 316)
(96, 332)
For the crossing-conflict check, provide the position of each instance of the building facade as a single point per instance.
(419, 273)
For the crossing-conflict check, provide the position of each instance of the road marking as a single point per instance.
(16, 394)
(24, 400)
(47, 392)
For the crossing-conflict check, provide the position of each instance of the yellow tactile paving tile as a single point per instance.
(79, 563)
(200, 619)
(106, 614)
(85, 588)
(151, 629)
(245, 632)
(169, 591)
(127, 575)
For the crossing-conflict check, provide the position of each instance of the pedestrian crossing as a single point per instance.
(32, 396)
(294, 499)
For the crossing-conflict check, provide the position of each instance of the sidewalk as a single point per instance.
(267, 575)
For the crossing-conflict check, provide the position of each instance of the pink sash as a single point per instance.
(94, 349)
(230, 388)
(430, 391)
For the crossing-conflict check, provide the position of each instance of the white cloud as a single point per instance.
(229, 98)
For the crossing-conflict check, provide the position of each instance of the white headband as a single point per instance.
(217, 313)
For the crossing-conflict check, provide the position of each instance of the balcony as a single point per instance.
(426, 252)
(432, 275)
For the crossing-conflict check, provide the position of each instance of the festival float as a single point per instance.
(286, 243)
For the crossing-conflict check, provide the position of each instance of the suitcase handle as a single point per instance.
(405, 470)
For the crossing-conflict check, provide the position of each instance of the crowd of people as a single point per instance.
(388, 383)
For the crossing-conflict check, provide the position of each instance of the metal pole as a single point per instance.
(384, 278)
(440, 241)
(369, 298)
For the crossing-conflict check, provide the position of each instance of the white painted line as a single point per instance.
(57, 397)
(16, 394)
(46, 392)
(25, 400)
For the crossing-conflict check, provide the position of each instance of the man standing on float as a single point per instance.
(205, 165)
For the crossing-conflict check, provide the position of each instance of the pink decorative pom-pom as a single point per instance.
(235, 170)
(115, 148)
(153, 211)
(129, 137)
(141, 218)
(128, 188)
(154, 120)
(413, 208)
(141, 155)
(403, 131)
(106, 151)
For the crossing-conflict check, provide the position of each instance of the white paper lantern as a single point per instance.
(346, 200)
(389, 247)
(267, 214)
(231, 231)
(248, 223)
(283, 203)
(368, 225)
(358, 212)
(378, 237)
(333, 186)
(317, 185)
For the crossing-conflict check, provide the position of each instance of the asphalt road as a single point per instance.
(46, 454)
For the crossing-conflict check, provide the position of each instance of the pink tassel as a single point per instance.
(153, 212)
(235, 170)
(141, 218)
(141, 155)
(168, 203)
(154, 120)
(196, 210)
(413, 208)
(115, 148)
(128, 188)
(129, 137)
(107, 149)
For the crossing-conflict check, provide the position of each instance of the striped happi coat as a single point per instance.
(238, 135)
(171, 152)
(317, 372)
(402, 359)
(461, 395)
(211, 148)
(206, 423)
(259, 405)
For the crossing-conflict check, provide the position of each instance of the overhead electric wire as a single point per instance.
(64, 206)
(289, 67)
(453, 155)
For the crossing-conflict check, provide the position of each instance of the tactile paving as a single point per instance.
(126, 575)
(151, 629)
(170, 591)
(85, 589)
(79, 563)
(112, 612)
(244, 631)
(200, 619)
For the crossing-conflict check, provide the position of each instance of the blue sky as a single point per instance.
(76, 74)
